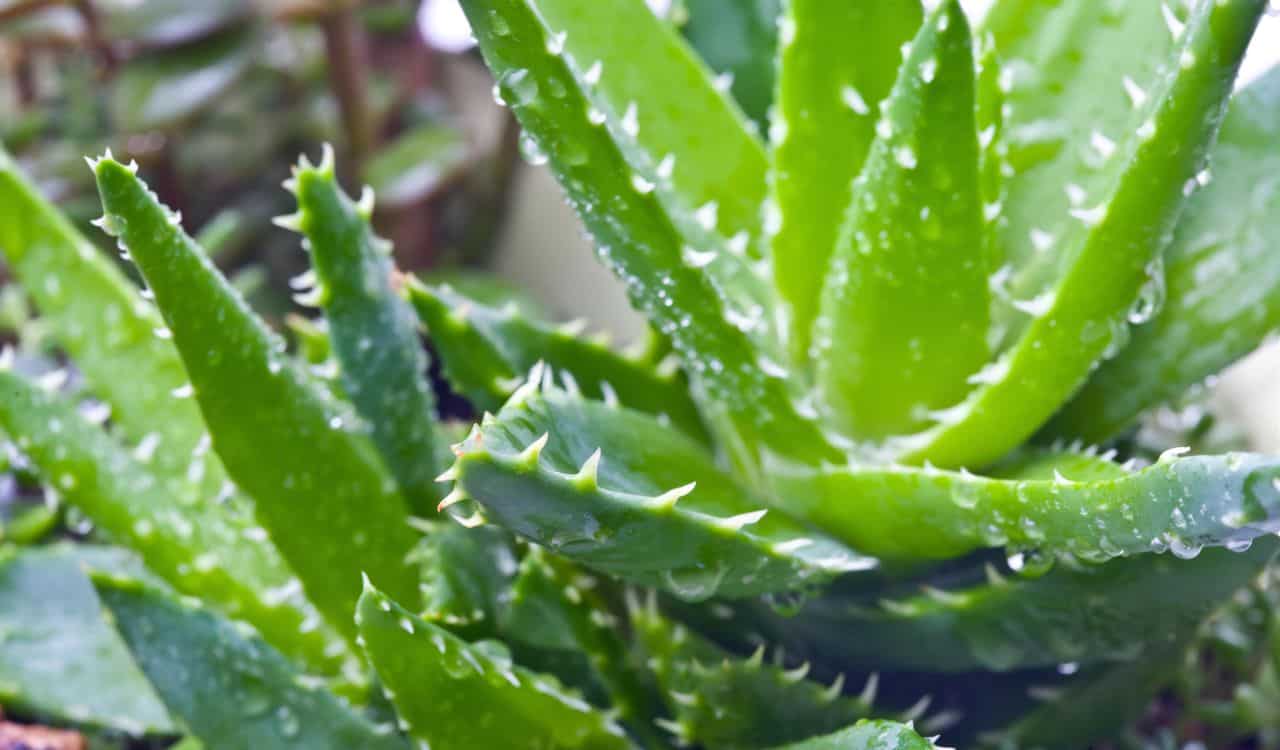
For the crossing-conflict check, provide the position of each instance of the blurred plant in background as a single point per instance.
(239, 87)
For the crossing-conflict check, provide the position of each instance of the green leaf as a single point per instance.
(1093, 706)
(1222, 283)
(372, 330)
(201, 548)
(229, 687)
(681, 137)
(1109, 250)
(416, 165)
(555, 606)
(828, 99)
(59, 660)
(164, 88)
(869, 734)
(466, 576)
(452, 694)
(911, 251)
(637, 236)
(906, 513)
(725, 702)
(485, 350)
(94, 313)
(324, 496)
(737, 40)
(1074, 613)
(606, 487)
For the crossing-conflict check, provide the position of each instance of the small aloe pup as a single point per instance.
(841, 499)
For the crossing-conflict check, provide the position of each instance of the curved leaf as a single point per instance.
(911, 251)
(166, 87)
(906, 513)
(1222, 285)
(229, 688)
(96, 315)
(837, 64)
(202, 549)
(607, 487)
(324, 498)
(371, 329)
(1111, 253)
(636, 234)
(452, 694)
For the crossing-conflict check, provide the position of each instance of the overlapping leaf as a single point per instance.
(606, 487)
(324, 498)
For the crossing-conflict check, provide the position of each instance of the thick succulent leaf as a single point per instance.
(1073, 613)
(452, 694)
(372, 329)
(1110, 257)
(1222, 279)
(466, 576)
(606, 487)
(721, 701)
(738, 41)
(1179, 503)
(554, 605)
(229, 688)
(485, 349)
(869, 734)
(59, 660)
(910, 251)
(202, 549)
(1092, 706)
(166, 87)
(637, 236)
(95, 314)
(837, 63)
(680, 134)
(324, 498)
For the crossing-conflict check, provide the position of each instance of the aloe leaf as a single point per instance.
(166, 87)
(485, 350)
(456, 695)
(466, 576)
(201, 548)
(1084, 315)
(1221, 280)
(605, 487)
(96, 315)
(324, 498)
(229, 687)
(825, 120)
(725, 702)
(554, 605)
(911, 251)
(1074, 613)
(738, 41)
(1180, 504)
(1092, 706)
(869, 734)
(637, 236)
(371, 329)
(59, 660)
(681, 136)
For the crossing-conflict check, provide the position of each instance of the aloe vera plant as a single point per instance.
(878, 479)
